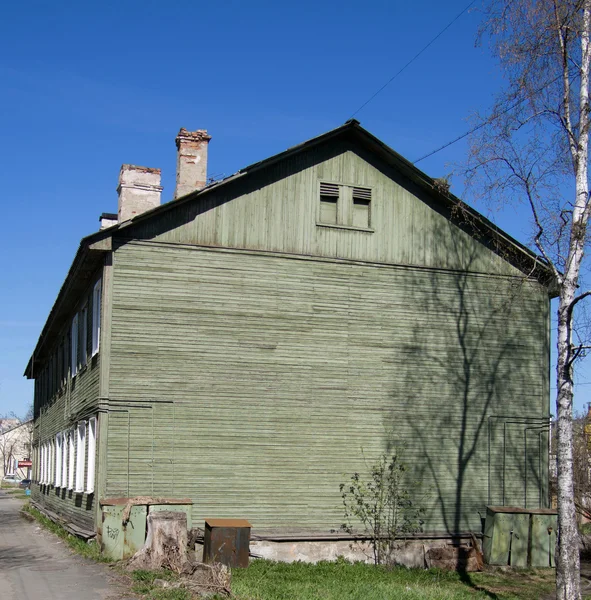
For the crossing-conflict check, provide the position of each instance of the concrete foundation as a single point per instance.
(410, 553)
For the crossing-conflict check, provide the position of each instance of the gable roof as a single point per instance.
(92, 247)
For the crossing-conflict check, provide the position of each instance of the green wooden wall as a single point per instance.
(255, 383)
(76, 399)
(278, 209)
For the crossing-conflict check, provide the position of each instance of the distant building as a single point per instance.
(8, 423)
(15, 448)
(254, 341)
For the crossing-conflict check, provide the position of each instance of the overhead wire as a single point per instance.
(433, 40)
(486, 122)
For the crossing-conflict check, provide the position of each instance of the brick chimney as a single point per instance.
(191, 164)
(139, 190)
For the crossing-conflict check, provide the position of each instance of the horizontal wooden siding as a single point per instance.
(256, 384)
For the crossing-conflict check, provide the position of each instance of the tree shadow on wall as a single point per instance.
(476, 355)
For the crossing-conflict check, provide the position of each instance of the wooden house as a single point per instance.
(255, 341)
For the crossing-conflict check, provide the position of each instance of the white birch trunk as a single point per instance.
(567, 560)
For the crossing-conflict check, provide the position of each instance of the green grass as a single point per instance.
(340, 580)
(88, 550)
(265, 580)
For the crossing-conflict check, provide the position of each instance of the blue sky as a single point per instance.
(89, 86)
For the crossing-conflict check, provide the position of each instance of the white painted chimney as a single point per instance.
(191, 164)
(139, 190)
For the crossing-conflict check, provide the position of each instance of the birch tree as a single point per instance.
(534, 148)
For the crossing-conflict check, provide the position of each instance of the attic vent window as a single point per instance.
(361, 202)
(329, 200)
(345, 206)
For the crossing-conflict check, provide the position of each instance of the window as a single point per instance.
(84, 334)
(80, 456)
(91, 455)
(345, 206)
(58, 460)
(74, 346)
(51, 376)
(361, 202)
(64, 360)
(96, 316)
(44, 464)
(329, 200)
(71, 458)
(51, 462)
(60, 365)
(64, 474)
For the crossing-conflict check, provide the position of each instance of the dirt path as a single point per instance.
(36, 565)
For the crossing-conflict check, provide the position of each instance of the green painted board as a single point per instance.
(135, 531)
(488, 537)
(117, 541)
(501, 540)
(112, 532)
(519, 540)
(543, 540)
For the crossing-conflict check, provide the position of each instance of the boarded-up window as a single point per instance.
(361, 207)
(329, 200)
(80, 456)
(51, 466)
(58, 460)
(64, 475)
(74, 347)
(71, 459)
(96, 317)
(83, 334)
(91, 455)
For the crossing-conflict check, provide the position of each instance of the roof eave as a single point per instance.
(99, 242)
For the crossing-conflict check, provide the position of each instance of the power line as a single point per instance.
(486, 122)
(413, 59)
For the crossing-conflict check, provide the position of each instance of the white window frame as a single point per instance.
(349, 195)
(71, 459)
(46, 464)
(42, 465)
(44, 474)
(74, 346)
(58, 461)
(80, 456)
(50, 470)
(64, 459)
(91, 461)
(96, 316)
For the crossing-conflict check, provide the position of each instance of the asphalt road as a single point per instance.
(36, 565)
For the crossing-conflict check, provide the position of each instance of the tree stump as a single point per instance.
(166, 543)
